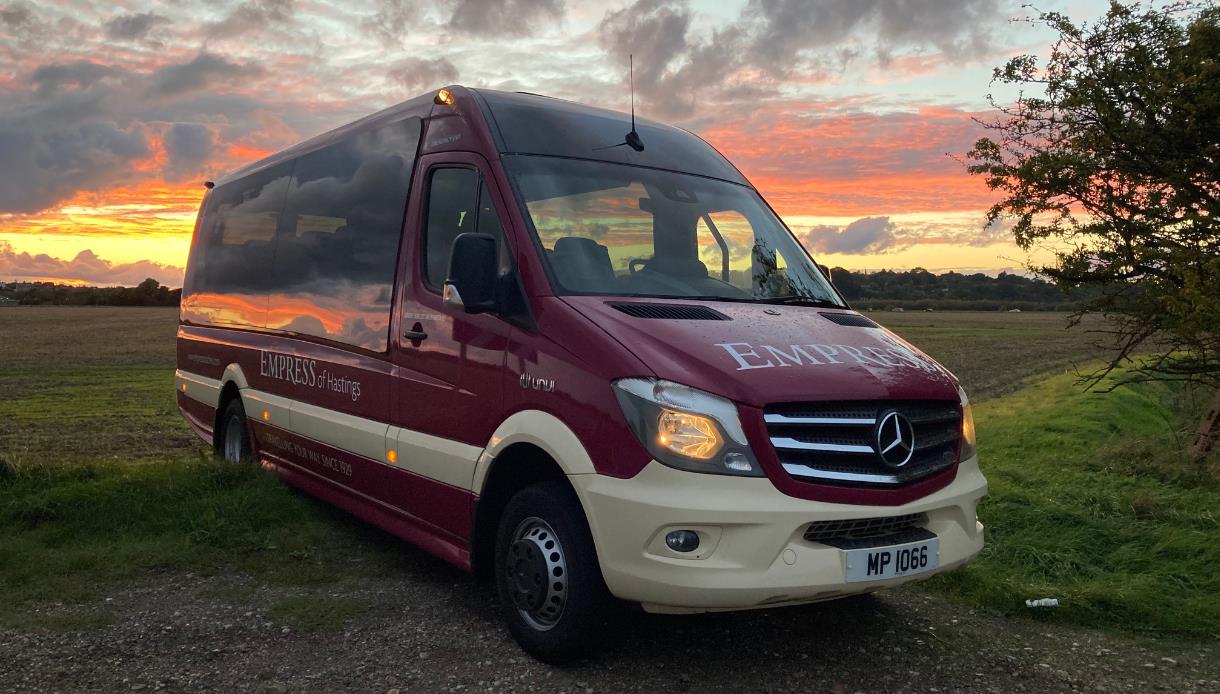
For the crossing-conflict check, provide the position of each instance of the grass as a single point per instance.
(1092, 502)
(68, 532)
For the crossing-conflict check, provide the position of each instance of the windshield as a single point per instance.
(623, 230)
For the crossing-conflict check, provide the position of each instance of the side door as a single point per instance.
(448, 365)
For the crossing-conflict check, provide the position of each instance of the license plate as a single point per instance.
(877, 563)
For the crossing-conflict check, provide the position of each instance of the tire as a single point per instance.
(233, 435)
(543, 532)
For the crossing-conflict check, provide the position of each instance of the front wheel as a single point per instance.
(550, 585)
(233, 438)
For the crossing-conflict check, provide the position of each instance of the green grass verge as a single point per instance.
(1092, 502)
(68, 532)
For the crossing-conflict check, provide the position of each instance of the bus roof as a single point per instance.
(522, 123)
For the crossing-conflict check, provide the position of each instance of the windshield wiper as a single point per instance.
(801, 301)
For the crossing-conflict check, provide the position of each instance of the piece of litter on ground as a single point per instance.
(1043, 602)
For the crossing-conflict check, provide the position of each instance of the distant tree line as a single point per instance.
(150, 292)
(909, 289)
(952, 291)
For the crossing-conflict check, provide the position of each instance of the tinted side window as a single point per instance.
(451, 211)
(337, 246)
(232, 249)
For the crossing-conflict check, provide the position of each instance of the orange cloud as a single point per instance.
(855, 164)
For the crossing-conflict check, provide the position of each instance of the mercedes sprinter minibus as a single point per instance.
(576, 354)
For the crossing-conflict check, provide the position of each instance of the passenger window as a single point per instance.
(452, 210)
(337, 249)
(234, 248)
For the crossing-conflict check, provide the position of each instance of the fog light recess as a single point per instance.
(682, 540)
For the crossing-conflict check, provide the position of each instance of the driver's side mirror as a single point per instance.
(826, 271)
(473, 265)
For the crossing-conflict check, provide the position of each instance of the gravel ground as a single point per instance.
(432, 628)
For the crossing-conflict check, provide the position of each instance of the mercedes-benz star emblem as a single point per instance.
(895, 438)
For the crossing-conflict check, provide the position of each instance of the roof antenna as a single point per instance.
(632, 139)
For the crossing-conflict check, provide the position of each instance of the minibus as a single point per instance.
(571, 353)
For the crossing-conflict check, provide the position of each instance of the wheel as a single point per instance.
(551, 588)
(233, 439)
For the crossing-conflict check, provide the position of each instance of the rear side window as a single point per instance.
(309, 246)
(234, 245)
(337, 246)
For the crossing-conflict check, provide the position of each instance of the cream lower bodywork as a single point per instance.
(752, 552)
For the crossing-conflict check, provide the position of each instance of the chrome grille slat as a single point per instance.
(833, 443)
(839, 421)
(795, 445)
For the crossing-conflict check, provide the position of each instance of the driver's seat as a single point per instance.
(583, 264)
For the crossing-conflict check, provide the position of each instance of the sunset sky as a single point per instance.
(843, 112)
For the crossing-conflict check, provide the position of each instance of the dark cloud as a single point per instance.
(82, 74)
(189, 147)
(19, 19)
(867, 235)
(82, 126)
(418, 74)
(86, 267)
(783, 29)
(41, 165)
(197, 75)
(392, 21)
(16, 15)
(502, 17)
(253, 16)
(129, 27)
(772, 39)
(670, 65)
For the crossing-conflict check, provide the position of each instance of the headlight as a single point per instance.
(686, 428)
(968, 447)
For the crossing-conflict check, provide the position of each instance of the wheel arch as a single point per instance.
(233, 381)
(529, 447)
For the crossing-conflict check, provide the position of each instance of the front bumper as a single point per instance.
(752, 552)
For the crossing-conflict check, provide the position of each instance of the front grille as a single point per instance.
(835, 443)
(862, 528)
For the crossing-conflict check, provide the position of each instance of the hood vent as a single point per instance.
(669, 311)
(851, 320)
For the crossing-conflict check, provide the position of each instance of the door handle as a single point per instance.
(416, 333)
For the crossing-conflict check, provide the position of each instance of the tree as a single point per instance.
(1110, 156)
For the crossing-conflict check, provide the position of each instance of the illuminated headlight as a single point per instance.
(968, 448)
(686, 428)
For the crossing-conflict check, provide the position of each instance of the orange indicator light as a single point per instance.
(266, 416)
(391, 456)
